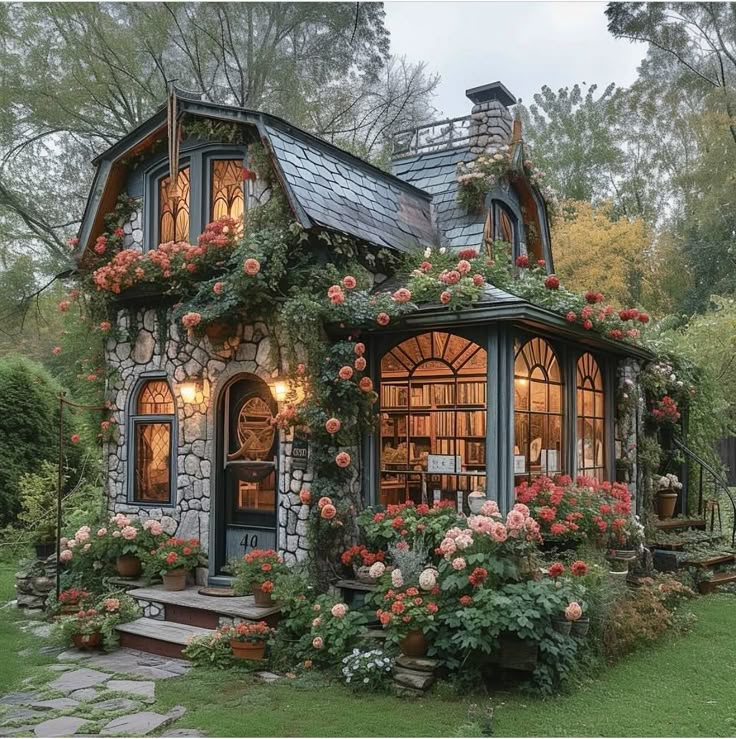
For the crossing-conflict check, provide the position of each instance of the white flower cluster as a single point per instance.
(364, 668)
(670, 481)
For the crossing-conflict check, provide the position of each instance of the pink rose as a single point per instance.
(339, 610)
(129, 533)
(101, 532)
(349, 282)
(251, 266)
(458, 563)
(342, 459)
(573, 612)
(66, 555)
(445, 297)
(318, 642)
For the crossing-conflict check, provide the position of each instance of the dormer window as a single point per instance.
(505, 224)
(210, 186)
(174, 208)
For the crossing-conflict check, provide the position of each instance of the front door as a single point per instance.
(246, 490)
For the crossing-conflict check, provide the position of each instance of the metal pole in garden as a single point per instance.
(59, 483)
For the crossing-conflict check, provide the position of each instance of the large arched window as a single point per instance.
(590, 418)
(174, 208)
(433, 419)
(537, 411)
(152, 426)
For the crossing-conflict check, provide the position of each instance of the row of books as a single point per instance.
(433, 394)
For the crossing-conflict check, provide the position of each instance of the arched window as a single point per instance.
(433, 419)
(537, 410)
(590, 418)
(227, 198)
(505, 223)
(152, 425)
(174, 208)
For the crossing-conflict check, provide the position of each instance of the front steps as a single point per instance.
(172, 618)
(163, 638)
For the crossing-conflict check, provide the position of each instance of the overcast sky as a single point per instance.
(523, 44)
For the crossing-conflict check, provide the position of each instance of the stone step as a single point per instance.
(720, 578)
(164, 638)
(190, 607)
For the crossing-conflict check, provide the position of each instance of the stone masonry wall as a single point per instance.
(490, 126)
(628, 427)
(139, 350)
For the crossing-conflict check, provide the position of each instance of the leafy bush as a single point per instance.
(29, 418)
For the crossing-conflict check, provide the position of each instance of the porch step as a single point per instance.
(720, 559)
(190, 607)
(158, 637)
(720, 578)
(672, 524)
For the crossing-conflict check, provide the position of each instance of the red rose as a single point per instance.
(556, 569)
(522, 261)
(552, 282)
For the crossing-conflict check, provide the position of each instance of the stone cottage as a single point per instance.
(474, 399)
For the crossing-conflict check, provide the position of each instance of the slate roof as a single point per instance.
(435, 172)
(341, 192)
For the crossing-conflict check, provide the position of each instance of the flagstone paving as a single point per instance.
(93, 694)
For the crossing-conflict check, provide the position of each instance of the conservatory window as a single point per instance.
(433, 419)
(537, 411)
(590, 418)
(152, 426)
(174, 208)
(227, 197)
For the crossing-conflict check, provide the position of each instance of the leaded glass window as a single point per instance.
(228, 198)
(174, 208)
(152, 426)
(433, 417)
(591, 418)
(538, 411)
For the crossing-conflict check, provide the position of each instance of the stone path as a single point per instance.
(93, 694)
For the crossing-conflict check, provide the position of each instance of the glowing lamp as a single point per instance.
(279, 390)
(188, 391)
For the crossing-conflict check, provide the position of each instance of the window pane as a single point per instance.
(152, 461)
(174, 209)
(227, 189)
(254, 432)
(257, 495)
(155, 399)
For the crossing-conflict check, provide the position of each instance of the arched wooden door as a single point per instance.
(247, 475)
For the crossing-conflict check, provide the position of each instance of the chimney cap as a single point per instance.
(491, 91)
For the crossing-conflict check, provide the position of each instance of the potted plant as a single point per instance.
(84, 630)
(668, 487)
(361, 559)
(408, 614)
(71, 601)
(121, 541)
(248, 639)
(172, 560)
(255, 574)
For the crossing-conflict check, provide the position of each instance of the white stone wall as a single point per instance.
(490, 126)
(628, 427)
(138, 350)
(133, 229)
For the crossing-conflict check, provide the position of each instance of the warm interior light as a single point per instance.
(279, 390)
(188, 391)
(522, 381)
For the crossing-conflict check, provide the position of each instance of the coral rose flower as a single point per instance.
(305, 496)
(251, 266)
(365, 384)
(75, 438)
(190, 320)
(349, 282)
(323, 501)
(346, 372)
(333, 425)
(342, 459)
(478, 280)
(383, 319)
(360, 364)
(402, 295)
(463, 266)
(573, 612)
(328, 512)
(359, 348)
(579, 568)
(445, 297)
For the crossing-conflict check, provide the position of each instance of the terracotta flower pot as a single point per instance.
(175, 579)
(253, 650)
(87, 641)
(414, 644)
(581, 626)
(263, 600)
(69, 609)
(128, 565)
(562, 626)
(666, 503)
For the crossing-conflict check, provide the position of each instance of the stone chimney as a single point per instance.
(490, 119)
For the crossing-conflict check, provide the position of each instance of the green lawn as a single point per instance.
(684, 687)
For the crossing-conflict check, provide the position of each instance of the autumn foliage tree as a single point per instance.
(616, 256)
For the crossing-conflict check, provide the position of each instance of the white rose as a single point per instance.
(397, 579)
(428, 579)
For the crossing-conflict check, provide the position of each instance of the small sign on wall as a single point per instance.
(300, 451)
